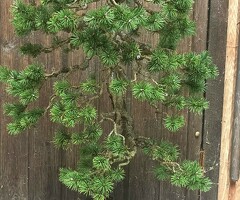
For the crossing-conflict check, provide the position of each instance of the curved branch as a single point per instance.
(53, 47)
(67, 70)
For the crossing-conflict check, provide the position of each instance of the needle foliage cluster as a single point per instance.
(160, 76)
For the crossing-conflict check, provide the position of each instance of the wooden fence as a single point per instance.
(29, 162)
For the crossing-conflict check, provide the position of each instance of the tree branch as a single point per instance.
(67, 70)
(53, 47)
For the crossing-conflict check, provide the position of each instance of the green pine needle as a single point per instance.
(102, 185)
(118, 87)
(65, 20)
(109, 57)
(99, 18)
(155, 22)
(89, 86)
(179, 102)
(34, 72)
(197, 104)
(61, 86)
(113, 35)
(77, 138)
(88, 114)
(71, 116)
(174, 123)
(23, 18)
(31, 49)
(14, 110)
(190, 175)
(29, 96)
(24, 120)
(162, 151)
(14, 128)
(165, 151)
(101, 163)
(5, 74)
(129, 19)
(70, 178)
(30, 117)
(163, 173)
(172, 82)
(56, 112)
(117, 174)
(115, 144)
(61, 139)
(130, 52)
(93, 132)
(146, 91)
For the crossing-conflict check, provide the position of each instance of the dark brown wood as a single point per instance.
(141, 178)
(235, 154)
(14, 150)
(217, 31)
(29, 163)
(44, 158)
(199, 43)
(227, 188)
(69, 157)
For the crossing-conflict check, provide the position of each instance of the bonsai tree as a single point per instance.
(159, 76)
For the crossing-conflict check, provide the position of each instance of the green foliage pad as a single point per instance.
(156, 74)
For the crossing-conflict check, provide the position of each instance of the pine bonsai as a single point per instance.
(159, 75)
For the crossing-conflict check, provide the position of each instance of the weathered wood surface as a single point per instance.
(217, 31)
(29, 163)
(13, 150)
(227, 189)
(195, 127)
(235, 146)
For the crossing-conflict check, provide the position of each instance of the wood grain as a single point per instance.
(217, 29)
(29, 163)
(195, 125)
(226, 190)
(14, 150)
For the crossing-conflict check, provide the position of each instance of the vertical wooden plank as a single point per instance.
(68, 157)
(121, 189)
(235, 146)
(225, 186)
(142, 183)
(179, 138)
(71, 157)
(217, 27)
(13, 150)
(237, 191)
(236, 186)
(199, 43)
(44, 158)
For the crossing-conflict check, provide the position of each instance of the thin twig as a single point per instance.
(68, 70)
(51, 48)
(114, 2)
(135, 78)
(50, 103)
